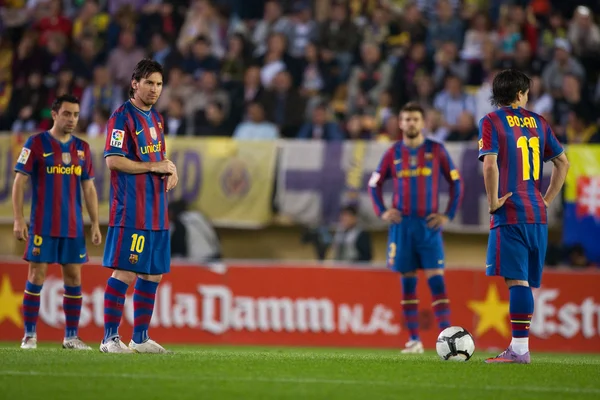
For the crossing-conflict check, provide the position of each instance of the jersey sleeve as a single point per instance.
(27, 157)
(454, 181)
(379, 176)
(488, 138)
(552, 147)
(87, 172)
(118, 131)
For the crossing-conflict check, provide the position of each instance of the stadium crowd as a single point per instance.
(325, 69)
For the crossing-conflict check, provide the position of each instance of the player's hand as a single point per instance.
(392, 215)
(96, 235)
(165, 167)
(500, 203)
(20, 229)
(172, 180)
(437, 221)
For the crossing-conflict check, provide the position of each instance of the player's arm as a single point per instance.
(553, 151)
(379, 176)
(23, 168)
(488, 153)
(452, 176)
(120, 142)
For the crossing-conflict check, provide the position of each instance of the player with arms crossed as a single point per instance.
(514, 143)
(138, 240)
(415, 165)
(60, 166)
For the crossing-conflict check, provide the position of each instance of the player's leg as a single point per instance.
(400, 259)
(38, 252)
(144, 294)
(431, 255)
(72, 253)
(119, 256)
(508, 256)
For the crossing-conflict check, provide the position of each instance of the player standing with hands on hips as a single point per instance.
(138, 240)
(415, 165)
(60, 167)
(514, 144)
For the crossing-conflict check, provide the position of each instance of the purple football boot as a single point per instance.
(509, 356)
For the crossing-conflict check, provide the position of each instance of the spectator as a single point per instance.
(581, 127)
(123, 59)
(482, 97)
(555, 29)
(54, 22)
(216, 123)
(390, 131)
(446, 27)
(359, 127)
(571, 96)
(163, 53)
(435, 125)
(236, 60)
(276, 59)
(540, 102)
(453, 101)
(465, 129)
(583, 33)
(448, 63)
(256, 128)
(176, 86)
(314, 78)
(523, 60)
(412, 26)
(562, 64)
(201, 58)
(101, 93)
(408, 70)
(476, 36)
(368, 80)
(85, 61)
(351, 243)
(285, 107)
(302, 30)
(98, 125)
(377, 30)
(90, 22)
(208, 91)
(341, 36)
(425, 92)
(320, 128)
(273, 22)
(251, 91)
(174, 116)
(28, 103)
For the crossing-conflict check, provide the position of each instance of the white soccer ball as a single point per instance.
(455, 344)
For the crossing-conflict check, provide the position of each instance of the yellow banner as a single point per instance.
(584, 160)
(228, 181)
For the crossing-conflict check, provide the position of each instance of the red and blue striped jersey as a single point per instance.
(56, 170)
(523, 142)
(137, 201)
(416, 174)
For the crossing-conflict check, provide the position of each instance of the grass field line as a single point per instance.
(435, 385)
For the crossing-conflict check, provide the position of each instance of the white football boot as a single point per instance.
(149, 346)
(114, 345)
(29, 342)
(413, 347)
(75, 344)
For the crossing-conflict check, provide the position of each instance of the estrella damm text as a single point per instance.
(525, 122)
(151, 148)
(409, 173)
(62, 170)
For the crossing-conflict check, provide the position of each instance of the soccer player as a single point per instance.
(514, 144)
(60, 166)
(138, 241)
(415, 165)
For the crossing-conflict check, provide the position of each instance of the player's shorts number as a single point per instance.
(37, 240)
(392, 251)
(525, 144)
(137, 243)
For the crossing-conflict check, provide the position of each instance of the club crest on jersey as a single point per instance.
(133, 258)
(413, 161)
(35, 251)
(66, 158)
(428, 156)
(81, 154)
(153, 133)
(160, 126)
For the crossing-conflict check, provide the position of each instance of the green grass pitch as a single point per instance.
(202, 372)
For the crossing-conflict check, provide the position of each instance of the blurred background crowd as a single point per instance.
(322, 69)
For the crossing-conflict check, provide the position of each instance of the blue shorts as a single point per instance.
(517, 252)
(137, 250)
(412, 245)
(50, 250)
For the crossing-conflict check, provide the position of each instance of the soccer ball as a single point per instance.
(455, 344)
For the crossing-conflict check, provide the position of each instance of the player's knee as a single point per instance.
(515, 282)
(433, 272)
(124, 276)
(72, 274)
(151, 278)
(37, 273)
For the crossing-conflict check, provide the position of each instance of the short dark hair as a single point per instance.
(143, 70)
(350, 209)
(507, 85)
(65, 98)
(413, 106)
